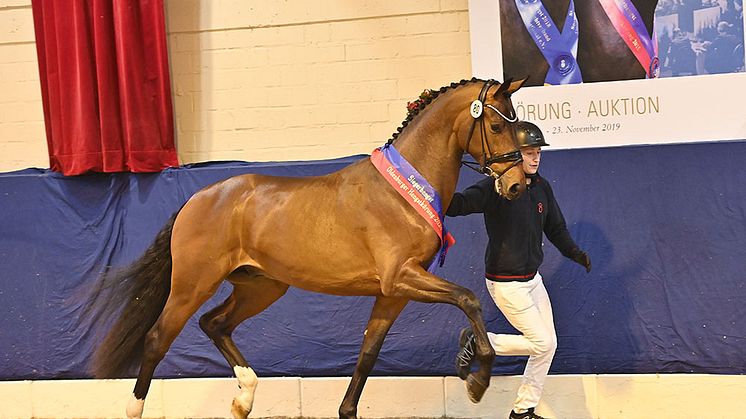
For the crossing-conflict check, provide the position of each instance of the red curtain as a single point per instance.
(105, 85)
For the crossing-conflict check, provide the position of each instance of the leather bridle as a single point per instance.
(477, 112)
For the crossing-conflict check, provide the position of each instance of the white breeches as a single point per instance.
(527, 307)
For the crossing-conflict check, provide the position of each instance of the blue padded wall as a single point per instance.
(665, 227)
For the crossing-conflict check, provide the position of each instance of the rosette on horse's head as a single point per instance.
(493, 117)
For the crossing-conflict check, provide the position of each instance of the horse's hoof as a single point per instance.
(238, 411)
(475, 388)
(135, 407)
(348, 414)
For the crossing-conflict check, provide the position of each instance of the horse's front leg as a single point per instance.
(415, 283)
(385, 311)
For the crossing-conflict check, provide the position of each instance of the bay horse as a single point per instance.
(363, 239)
(602, 53)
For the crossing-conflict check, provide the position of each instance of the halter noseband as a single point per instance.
(477, 113)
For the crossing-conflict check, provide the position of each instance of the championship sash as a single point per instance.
(559, 49)
(413, 187)
(630, 26)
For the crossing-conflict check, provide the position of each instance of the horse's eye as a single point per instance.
(495, 128)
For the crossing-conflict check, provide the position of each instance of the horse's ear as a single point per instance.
(516, 85)
(502, 89)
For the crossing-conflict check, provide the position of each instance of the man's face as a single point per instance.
(531, 158)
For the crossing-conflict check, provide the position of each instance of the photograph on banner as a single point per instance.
(568, 42)
(611, 72)
(699, 37)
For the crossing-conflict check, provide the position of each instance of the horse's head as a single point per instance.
(490, 137)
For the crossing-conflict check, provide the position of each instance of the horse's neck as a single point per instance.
(428, 154)
(600, 42)
(591, 12)
(428, 146)
(646, 8)
(647, 12)
(558, 11)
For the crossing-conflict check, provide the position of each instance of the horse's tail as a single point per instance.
(137, 294)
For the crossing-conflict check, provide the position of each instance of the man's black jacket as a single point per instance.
(515, 227)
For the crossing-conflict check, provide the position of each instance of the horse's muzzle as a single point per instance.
(509, 189)
(514, 191)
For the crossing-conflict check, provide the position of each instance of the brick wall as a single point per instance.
(266, 80)
(22, 138)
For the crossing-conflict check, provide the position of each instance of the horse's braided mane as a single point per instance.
(425, 99)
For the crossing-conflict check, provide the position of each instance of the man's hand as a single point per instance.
(582, 259)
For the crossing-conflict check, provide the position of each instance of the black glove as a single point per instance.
(582, 259)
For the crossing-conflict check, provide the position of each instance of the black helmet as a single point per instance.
(529, 135)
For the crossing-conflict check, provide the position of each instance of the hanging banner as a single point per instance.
(687, 93)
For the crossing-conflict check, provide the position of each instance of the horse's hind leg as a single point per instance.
(385, 311)
(190, 288)
(251, 295)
